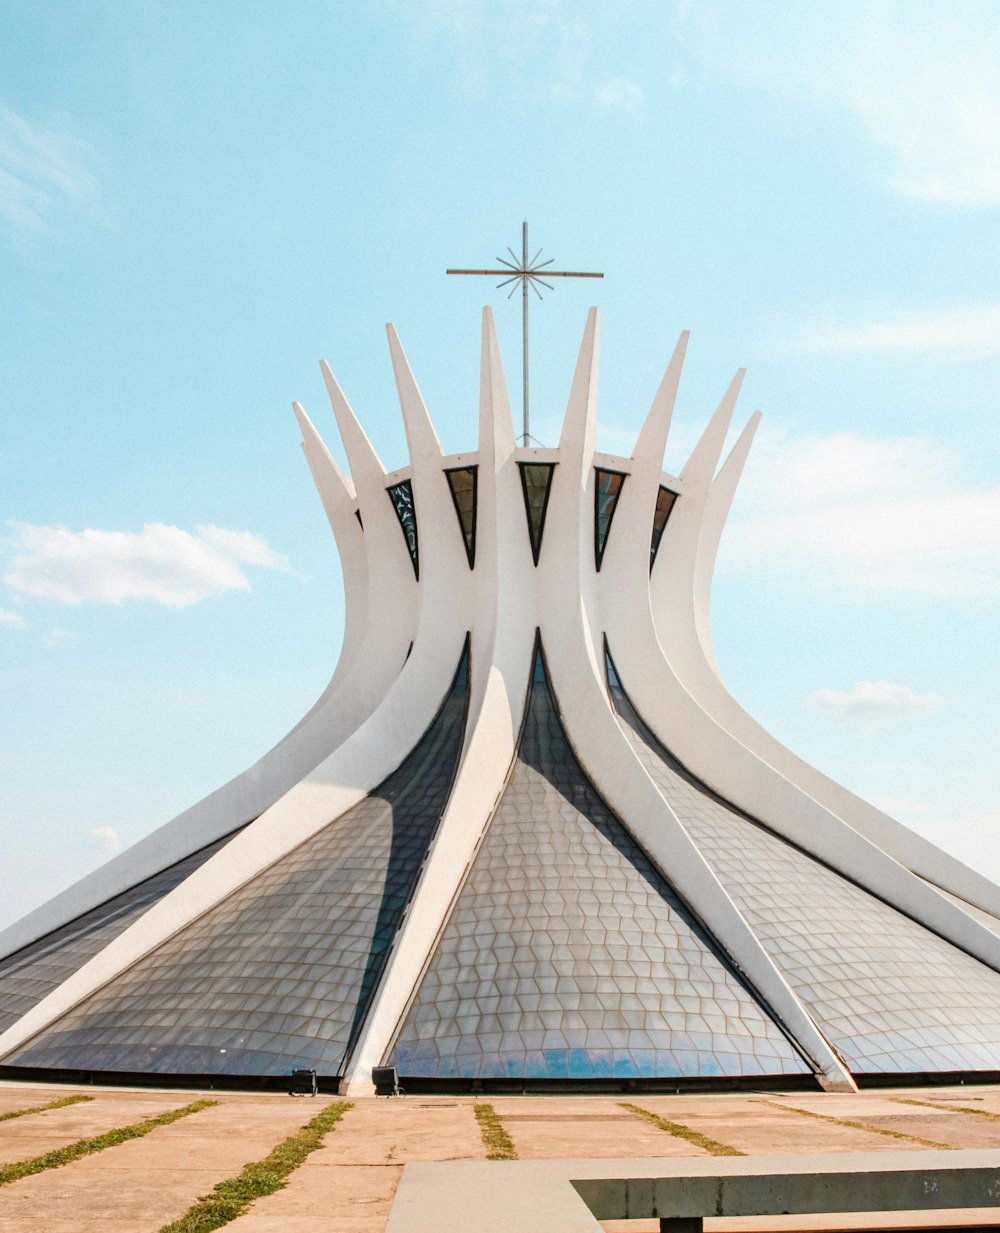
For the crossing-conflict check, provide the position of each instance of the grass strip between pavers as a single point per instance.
(843, 1121)
(53, 1104)
(680, 1131)
(232, 1197)
(85, 1147)
(498, 1143)
(936, 1104)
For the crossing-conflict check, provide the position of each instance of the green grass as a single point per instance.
(53, 1104)
(85, 1147)
(680, 1131)
(843, 1121)
(232, 1197)
(498, 1143)
(936, 1104)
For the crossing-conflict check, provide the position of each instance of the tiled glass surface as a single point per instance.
(462, 482)
(664, 505)
(889, 994)
(568, 955)
(281, 973)
(607, 490)
(31, 973)
(536, 480)
(401, 496)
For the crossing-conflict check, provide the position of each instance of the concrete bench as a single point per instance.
(571, 1196)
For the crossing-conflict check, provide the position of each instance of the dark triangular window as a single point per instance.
(664, 504)
(607, 489)
(462, 482)
(401, 496)
(536, 480)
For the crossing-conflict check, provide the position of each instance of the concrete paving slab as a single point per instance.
(581, 1126)
(23, 1138)
(350, 1181)
(142, 1184)
(753, 1127)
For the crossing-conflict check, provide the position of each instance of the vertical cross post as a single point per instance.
(527, 274)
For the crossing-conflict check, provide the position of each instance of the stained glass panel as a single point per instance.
(889, 994)
(664, 505)
(401, 496)
(462, 482)
(568, 955)
(31, 973)
(536, 482)
(607, 489)
(282, 972)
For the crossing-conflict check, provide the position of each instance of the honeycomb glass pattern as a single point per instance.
(281, 973)
(889, 994)
(568, 956)
(31, 973)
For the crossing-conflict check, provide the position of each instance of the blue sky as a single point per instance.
(198, 201)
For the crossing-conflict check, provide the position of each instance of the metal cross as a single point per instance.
(528, 274)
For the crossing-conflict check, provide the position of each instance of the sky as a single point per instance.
(200, 201)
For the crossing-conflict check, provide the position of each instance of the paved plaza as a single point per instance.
(348, 1184)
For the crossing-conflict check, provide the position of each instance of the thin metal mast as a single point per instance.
(527, 274)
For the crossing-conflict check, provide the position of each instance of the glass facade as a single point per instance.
(282, 972)
(607, 489)
(462, 482)
(31, 973)
(568, 955)
(401, 496)
(536, 483)
(890, 995)
(664, 506)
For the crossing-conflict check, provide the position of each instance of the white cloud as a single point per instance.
(45, 175)
(920, 79)
(105, 838)
(863, 515)
(12, 619)
(959, 332)
(869, 703)
(161, 563)
(541, 49)
(58, 637)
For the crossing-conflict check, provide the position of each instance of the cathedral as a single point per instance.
(525, 838)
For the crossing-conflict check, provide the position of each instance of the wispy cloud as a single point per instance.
(12, 619)
(161, 563)
(45, 177)
(870, 703)
(959, 333)
(541, 49)
(919, 79)
(864, 515)
(620, 94)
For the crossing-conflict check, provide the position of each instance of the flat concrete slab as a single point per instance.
(570, 1196)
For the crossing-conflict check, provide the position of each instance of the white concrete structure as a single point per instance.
(525, 835)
